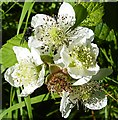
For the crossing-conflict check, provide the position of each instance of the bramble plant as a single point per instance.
(60, 55)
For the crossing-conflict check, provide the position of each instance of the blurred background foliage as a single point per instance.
(106, 37)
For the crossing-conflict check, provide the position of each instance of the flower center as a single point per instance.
(57, 35)
(84, 55)
(80, 93)
(52, 36)
(85, 92)
(26, 72)
(58, 82)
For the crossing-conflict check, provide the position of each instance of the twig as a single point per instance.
(93, 115)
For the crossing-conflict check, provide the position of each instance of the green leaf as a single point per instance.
(95, 12)
(107, 38)
(102, 31)
(81, 14)
(47, 59)
(7, 55)
(103, 72)
(54, 68)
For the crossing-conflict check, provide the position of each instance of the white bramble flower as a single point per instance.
(80, 61)
(90, 94)
(26, 73)
(50, 34)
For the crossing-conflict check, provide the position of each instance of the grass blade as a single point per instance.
(29, 12)
(19, 100)
(29, 108)
(34, 100)
(26, 7)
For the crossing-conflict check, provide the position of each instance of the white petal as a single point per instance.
(57, 59)
(93, 70)
(65, 105)
(74, 72)
(28, 90)
(82, 35)
(95, 50)
(36, 56)
(99, 104)
(33, 42)
(42, 19)
(8, 76)
(78, 71)
(82, 80)
(40, 81)
(22, 53)
(65, 56)
(66, 15)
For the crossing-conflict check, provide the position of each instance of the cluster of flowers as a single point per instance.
(74, 62)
